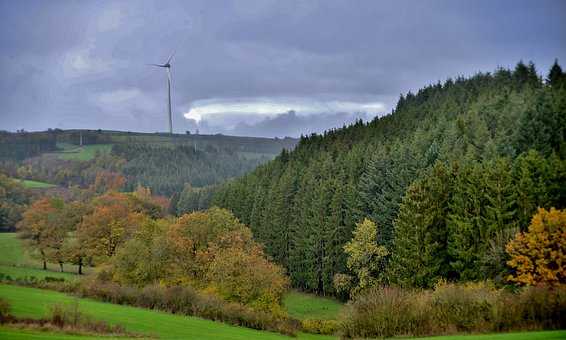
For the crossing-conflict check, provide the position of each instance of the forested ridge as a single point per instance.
(163, 163)
(448, 178)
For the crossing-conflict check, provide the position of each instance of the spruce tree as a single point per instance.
(555, 76)
(419, 256)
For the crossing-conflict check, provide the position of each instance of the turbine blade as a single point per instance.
(158, 65)
(170, 57)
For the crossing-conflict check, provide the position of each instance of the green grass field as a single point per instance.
(35, 184)
(14, 261)
(34, 303)
(308, 306)
(84, 153)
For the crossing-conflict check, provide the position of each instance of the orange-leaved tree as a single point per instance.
(43, 229)
(538, 256)
(113, 221)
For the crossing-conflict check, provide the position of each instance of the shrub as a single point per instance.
(188, 301)
(463, 307)
(385, 312)
(453, 308)
(4, 310)
(326, 327)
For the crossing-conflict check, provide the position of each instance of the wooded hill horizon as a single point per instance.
(32, 143)
(448, 178)
(164, 163)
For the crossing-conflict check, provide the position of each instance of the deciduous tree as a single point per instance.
(539, 254)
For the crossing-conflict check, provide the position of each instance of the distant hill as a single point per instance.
(165, 163)
(20, 145)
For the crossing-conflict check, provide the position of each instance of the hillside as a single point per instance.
(161, 162)
(468, 161)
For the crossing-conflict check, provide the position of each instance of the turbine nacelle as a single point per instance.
(167, 64)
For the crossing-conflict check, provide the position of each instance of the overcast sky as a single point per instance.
(240, 66)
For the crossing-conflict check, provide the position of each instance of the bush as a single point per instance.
(463, 307)
(326, 327)
(188, 301)
(453, 308)
(385, 312)
(4, 310)
(70, 317)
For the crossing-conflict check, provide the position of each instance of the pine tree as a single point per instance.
(499, 219)
(465, 222)
(419, 256)
(555, 76)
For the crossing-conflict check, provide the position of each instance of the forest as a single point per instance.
(446, 180)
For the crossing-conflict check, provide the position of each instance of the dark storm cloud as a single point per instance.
(82, 64)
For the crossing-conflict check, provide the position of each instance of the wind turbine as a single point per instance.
(167, 66)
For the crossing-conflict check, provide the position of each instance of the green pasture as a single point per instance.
(81, 153)
(17, 263)
(34, 303)
(309, 306)
(35, 184)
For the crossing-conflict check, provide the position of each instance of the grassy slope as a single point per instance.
(85, 153)
(16, 263)
(35, 184)
(309, 306)
(34, 303)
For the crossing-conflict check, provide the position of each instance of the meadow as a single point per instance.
(308, 306)
(34, 303)
(17, 263)
(81, 153)
(35, 184)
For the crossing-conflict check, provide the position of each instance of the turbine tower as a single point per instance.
(167, 66)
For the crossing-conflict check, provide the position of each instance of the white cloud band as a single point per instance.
(200, 109)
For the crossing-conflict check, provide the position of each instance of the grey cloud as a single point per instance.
(288, 124)
(56, 58)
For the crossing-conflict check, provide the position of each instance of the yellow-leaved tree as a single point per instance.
(365, 255)
(538, 256)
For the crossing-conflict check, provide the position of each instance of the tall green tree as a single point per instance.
(420, 251)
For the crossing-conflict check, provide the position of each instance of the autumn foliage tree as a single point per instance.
(239, 270)
(108, 181)
(365, 255)
(43, 229)
(210, 250)
(538, 256)
(112, 222)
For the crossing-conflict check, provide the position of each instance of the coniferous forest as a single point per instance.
(446, 181)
